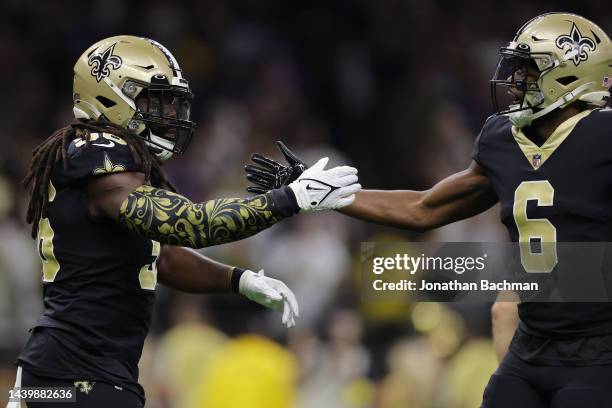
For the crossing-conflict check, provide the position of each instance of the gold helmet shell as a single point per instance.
(574, 59)
(111, 74)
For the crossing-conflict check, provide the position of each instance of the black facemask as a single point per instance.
(511, 74)
(166, 113)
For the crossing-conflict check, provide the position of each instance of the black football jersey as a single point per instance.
(98, 278)
(560, 191)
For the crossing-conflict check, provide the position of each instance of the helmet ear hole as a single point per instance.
(105, 101)
(566, 80)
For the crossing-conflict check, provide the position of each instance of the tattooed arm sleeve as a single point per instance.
(172, 219)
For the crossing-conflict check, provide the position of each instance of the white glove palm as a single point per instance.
(270, 293)
(319, 189)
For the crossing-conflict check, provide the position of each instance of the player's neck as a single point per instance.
(541, 129)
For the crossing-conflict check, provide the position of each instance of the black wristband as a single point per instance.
(236, 274)
(283, 201)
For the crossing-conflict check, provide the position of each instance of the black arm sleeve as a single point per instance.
(172, 219)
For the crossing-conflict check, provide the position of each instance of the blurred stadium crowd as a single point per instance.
(398, 88)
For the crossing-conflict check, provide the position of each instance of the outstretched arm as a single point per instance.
(171, 218)
(457, 197)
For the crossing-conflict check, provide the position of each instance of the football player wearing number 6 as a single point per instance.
(544, 156)
(109, 225)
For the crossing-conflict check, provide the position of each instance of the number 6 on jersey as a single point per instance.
(535, 229)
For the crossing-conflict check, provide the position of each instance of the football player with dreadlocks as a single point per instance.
(109, 225)
(544, 156)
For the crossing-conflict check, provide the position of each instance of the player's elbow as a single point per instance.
(422, 217)
(412, 219)
(421, 224)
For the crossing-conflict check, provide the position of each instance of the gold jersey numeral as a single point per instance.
(44, 242)
(148, 273)
(45, 249)
(535, 229)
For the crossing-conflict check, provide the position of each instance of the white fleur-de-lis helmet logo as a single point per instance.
(575, 45)
(102, 62)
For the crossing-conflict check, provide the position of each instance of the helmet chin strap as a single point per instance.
(162, 147)
(525, 117)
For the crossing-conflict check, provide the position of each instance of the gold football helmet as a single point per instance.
(553, 60)
(137, 84)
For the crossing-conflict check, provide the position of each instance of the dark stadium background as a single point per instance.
(397, 88)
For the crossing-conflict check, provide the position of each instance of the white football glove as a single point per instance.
(270, 293)
(319, 189)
